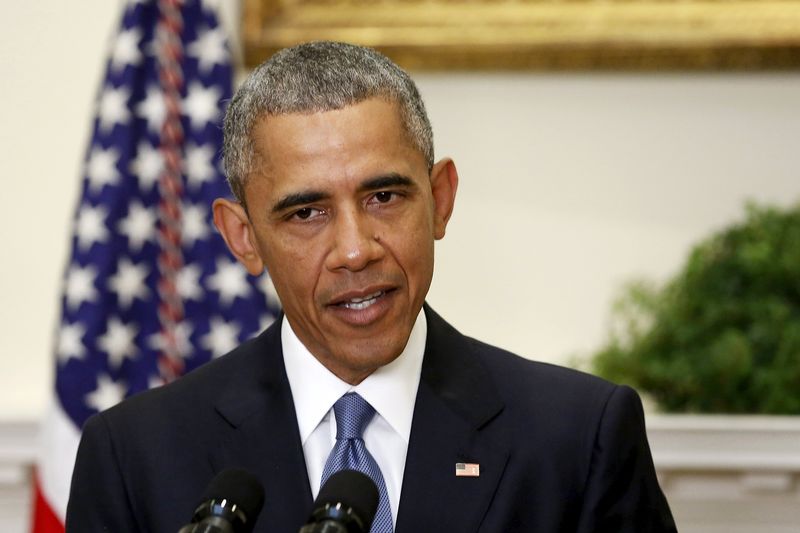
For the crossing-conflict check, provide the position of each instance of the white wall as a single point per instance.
(50, 59)
(571, 184)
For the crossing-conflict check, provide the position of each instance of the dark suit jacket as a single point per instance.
(559, 451)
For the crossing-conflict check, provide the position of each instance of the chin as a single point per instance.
(368, 358)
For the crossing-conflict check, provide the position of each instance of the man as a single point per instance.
(329, 153)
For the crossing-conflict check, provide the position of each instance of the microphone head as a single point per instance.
(349, 497)
(234, 495)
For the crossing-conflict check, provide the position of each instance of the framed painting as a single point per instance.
(540, 34)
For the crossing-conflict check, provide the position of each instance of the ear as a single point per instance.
(233, 223)
(444, 183)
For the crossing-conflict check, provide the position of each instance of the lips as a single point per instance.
(359, 303)
(361, 300)
(362, 305)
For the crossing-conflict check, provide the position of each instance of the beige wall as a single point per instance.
(570, 184)
(50, 59)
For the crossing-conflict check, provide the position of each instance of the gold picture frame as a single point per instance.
(539, 34)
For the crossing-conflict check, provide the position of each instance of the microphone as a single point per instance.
(347, 503)
(230, 504)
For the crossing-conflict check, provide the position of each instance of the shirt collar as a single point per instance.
(391, 389)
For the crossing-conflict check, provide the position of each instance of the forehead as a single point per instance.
(296, 134)
(352, 142)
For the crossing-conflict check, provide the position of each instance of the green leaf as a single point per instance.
(723, 335)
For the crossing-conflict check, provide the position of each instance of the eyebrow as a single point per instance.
(299, 198)
(392, 179)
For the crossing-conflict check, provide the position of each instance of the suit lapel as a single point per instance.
(261, 435)
(454, 402)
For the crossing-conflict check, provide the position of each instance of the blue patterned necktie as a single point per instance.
(353, 413)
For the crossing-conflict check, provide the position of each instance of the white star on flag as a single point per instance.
(198, 164)
(125, 50)
(107, 394)
(113, 107)
(101, 168)
(90, 226)
(70, 342)
(148, 166)
(264, 321)
(188, 283)
(155, 381)
(80, 285)
(118, 341)
(211, 5)
(201, 104)
(209, 49)
(193, 220)
(128, 282)
(182, 333)
(221, 338)
(139, 225)
(230, 281)
(153, 109)
(268, 288)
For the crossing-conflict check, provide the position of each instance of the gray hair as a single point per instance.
(315, 77)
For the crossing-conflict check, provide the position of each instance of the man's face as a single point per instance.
(343, 214)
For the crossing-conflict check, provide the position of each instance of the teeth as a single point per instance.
(365, 298)
(362, 303)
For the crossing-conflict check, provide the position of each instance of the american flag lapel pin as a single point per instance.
(468, 470)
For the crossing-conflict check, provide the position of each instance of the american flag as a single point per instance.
(150, 291)
(468, 470)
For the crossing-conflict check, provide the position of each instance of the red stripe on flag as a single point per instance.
(44, 520)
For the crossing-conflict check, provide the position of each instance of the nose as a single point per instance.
(355, 243)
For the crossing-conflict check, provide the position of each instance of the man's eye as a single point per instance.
(306, 213)
(384, 196)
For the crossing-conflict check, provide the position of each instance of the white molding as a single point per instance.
(18, 450)
(725, 443)
(19, 444)
(18, 439)
(678, 442)
(732, 474)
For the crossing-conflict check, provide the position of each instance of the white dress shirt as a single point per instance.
(391, 390)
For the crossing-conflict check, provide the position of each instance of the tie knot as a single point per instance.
(353, 413)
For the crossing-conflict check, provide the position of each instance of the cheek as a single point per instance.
(282, 259)
(291, 264)
(415, 254)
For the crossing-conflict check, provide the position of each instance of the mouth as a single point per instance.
(367, 306)
(359, 302)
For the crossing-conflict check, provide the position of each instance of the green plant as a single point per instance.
(724, 334)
